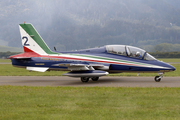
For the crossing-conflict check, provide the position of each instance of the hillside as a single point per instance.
(77, 24)
(10, 49)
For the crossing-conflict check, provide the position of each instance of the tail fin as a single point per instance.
(32, 41)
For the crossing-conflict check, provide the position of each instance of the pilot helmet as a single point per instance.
(138, 54)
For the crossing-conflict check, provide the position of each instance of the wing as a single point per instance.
(84, 70)
(21, 58)
(80, 67)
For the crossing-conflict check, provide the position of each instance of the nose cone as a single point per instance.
(172, 68)
(168, 66)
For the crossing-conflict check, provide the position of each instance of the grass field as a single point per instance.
(9, 70)
(70, 103)
(89, 103)
(5, 60)
(169, 59)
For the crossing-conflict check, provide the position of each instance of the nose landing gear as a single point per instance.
(158, 78)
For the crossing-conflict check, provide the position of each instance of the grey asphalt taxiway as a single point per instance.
(106, 81)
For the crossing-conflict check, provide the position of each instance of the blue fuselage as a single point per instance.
(113, 63)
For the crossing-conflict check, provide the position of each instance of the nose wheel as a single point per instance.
(158, 78)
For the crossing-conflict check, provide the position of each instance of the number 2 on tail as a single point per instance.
(26, 40)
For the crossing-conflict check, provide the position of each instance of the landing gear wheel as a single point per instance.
(157, 78)
(84, 79)
(95, 78)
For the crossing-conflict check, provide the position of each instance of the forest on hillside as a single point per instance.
(77, 24)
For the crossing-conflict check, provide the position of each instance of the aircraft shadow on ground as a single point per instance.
(77, 82)
(91, 82)
(68, 82)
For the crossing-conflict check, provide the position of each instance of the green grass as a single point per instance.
(88, 103)
(169, 59)
(5, 60)
(9, 70)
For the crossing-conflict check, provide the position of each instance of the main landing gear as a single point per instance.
(86, 79)
(158, 78)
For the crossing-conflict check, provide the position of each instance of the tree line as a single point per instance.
(158, 54)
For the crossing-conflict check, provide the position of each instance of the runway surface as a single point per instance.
(75, 82)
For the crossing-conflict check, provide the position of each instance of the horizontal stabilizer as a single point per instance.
(21, 58)
(38, 69)
(25, 55)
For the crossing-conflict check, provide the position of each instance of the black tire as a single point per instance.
(157, 79)
(95, 78)
(84, 79)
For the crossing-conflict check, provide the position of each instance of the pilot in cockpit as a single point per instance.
(138, 54)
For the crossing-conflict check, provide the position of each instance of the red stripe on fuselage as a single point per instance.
(100, 61)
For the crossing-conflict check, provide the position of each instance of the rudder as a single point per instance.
(32, 41)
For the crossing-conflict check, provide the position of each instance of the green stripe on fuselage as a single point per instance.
(110, 59)
(36, 37)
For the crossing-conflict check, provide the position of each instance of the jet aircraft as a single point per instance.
(86, 64)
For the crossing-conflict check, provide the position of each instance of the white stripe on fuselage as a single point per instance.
(104, 61)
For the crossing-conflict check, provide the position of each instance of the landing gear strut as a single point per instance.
(158, 78)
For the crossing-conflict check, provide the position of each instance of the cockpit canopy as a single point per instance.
(129, 51)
